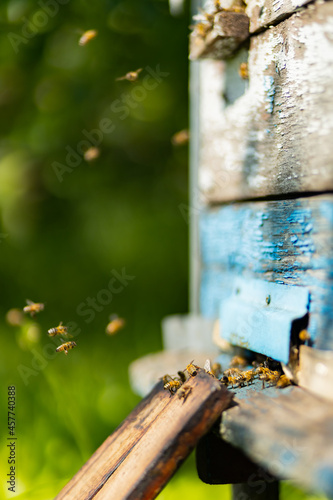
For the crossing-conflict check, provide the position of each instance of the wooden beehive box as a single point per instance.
(262, 216)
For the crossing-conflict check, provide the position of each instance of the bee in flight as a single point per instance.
(58, 330)
(131, 76)
(33, 307)
(87, 36)
(115, 324)
(66, 346)
(180, 138)
(184, 392)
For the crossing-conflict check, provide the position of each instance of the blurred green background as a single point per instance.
(62, 233)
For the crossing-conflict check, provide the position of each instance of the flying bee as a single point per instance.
(184, 392)
(87, 36)
(58, 330)
(131, 76)
(66, 346)
(238, 361)
(191, 369)
(91, 154)
(180, 138)
(115, 324)
(243, 71)
(33, 307)
(283, 382)
(172, 385)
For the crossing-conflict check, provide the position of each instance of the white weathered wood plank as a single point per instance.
(275, 138)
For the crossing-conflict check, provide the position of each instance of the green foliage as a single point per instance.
(62, 234)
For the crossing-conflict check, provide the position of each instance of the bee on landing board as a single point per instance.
(33, 307)
(115, 324)
(283, 382)
(131, 76)
(191, 369)
(269, 376)
(87, 36)
(184, 392)
(248, 376)
(58, 330)
(66, 347)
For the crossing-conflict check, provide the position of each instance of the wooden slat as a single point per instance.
(263, 13)
(137, 460)
(275, 138)
(288, 242)
(290, 434)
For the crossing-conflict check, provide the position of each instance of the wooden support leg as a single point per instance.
(256, 490)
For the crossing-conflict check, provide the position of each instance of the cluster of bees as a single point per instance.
(177, 383)
(236, 377)
(33, 308)
(233, 376)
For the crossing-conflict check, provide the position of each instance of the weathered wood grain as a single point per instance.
(289, 434)
(288, 242)
(137, 460)
(264, 13)
(261, 13)
(275, 138)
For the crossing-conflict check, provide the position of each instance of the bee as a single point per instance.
(172, 385)
(180, 138)
(208, 368)
(232, 372)
(216, 369)
(235, 380)
(261, 370)
(66, 346)
(248, 376)
(184, 392)
(131, 76)
(304, 335)
(269, 376)
(283, 382)
(243, 71)
(191, 369)
(58, 330)
(33, 307)
(91, 154)
(87, 36)
(115, 324)
(238, 361)
(182, 376)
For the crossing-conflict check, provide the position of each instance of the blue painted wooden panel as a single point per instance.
(288, 242)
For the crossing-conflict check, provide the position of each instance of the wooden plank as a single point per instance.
(264, 13)
(137, 460)
(273, 139)
(288, 242)
(289, 433)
